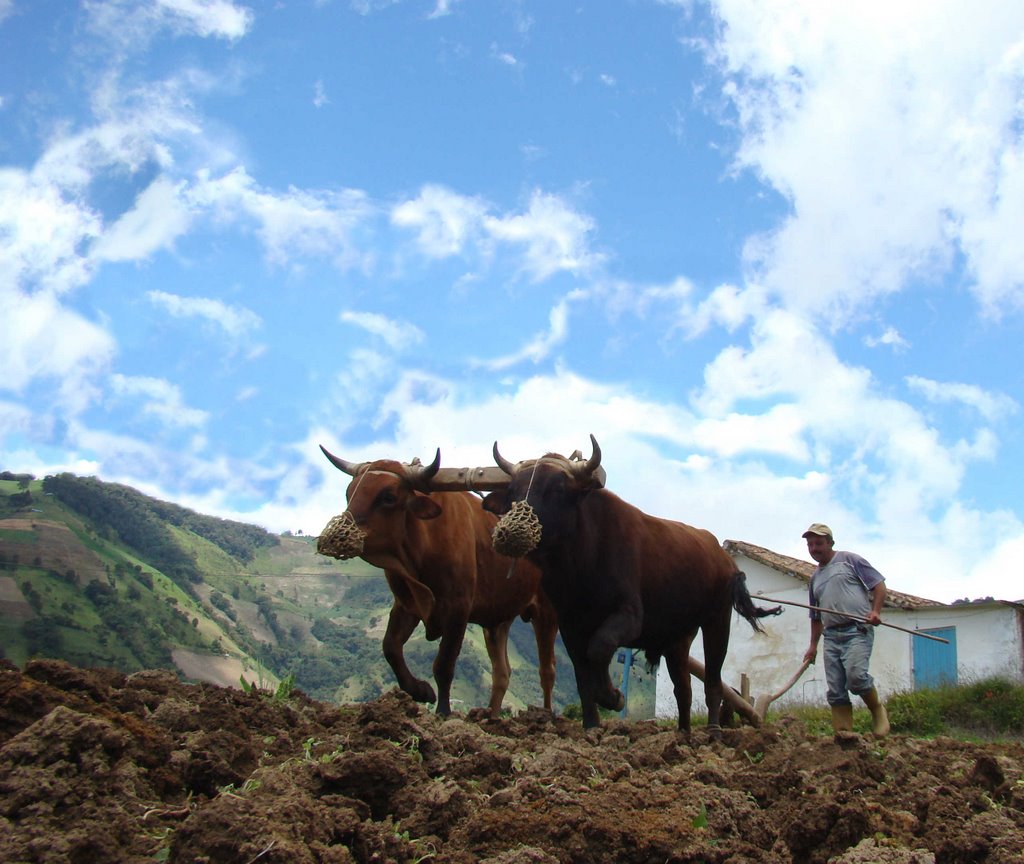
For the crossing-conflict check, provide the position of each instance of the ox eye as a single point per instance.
(387, 498)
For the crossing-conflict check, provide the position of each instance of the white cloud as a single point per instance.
(364, 374)
(236, 321)
(40, 339)
(42, 234)
(320, 95)
(131, 24)
(294, 224)
(991, 235)
(16, 419)
(504, 57)
(443, 8)
(157, 219)
(875, 449)
(367, 7)
(1001, 567)
(778, 431)
(890, 337)
(445, 220)
(991, 406)
(161, 399)
(852, 112)
(221, 18)
(554, 237)
(398, 335)
(542, 344)
(727, 306)
(550, 235)
(622, 297)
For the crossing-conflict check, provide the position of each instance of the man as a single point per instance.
(853, 591)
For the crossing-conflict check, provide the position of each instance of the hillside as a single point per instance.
(100, 575)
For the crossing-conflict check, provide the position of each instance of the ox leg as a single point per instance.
(496, 639)
(586, 681)
(444, 666)
(401, 625)
(676, 662)
(618, 629)
(716, 644)
(586, 685)
(545, 631)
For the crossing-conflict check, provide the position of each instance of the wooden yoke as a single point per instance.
(469, 480)
(488, 479)
(495, 477)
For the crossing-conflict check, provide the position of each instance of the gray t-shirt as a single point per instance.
(844, 584)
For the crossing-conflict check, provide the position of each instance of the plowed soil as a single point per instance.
(97, 766)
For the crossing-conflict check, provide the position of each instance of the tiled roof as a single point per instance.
(804, 569)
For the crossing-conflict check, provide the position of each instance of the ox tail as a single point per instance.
(743, 604)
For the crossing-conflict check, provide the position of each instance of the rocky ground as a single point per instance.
(96, 766)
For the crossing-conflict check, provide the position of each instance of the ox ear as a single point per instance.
(497, 502)
(423, 507)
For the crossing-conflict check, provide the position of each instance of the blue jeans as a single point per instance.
(847, 654)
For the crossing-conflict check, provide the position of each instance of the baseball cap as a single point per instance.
(819, 528)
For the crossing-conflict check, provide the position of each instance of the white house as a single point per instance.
(983, 638)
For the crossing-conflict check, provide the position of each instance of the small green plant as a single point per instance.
(423, 849)
(754, 758)
(700, 821)
(260, 684)
(233, 791)
(284, 688)
(412, 744)
(162, 836)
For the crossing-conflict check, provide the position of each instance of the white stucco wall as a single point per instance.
(988, 643)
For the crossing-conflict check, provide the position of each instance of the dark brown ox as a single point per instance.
(619, 577)
(436, 553)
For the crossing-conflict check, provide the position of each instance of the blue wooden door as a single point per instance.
(935, 662)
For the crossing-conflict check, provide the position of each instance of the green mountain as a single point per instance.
(99, 574)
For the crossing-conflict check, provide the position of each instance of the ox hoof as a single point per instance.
(613, 701)
(715, 732)
(421, 691)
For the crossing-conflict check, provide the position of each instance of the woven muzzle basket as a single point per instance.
(341, 538)
(517, 532)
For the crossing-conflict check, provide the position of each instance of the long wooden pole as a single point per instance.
(855, 617)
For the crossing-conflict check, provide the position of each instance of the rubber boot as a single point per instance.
(879, 716)
(842, 718)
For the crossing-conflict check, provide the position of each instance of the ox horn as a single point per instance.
(420, 475)
(502, 462)
(350, 468)
(591, 469)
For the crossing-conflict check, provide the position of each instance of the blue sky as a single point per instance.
(768, 253)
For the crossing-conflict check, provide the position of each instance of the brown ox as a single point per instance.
(619, 577)
(436, 553)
